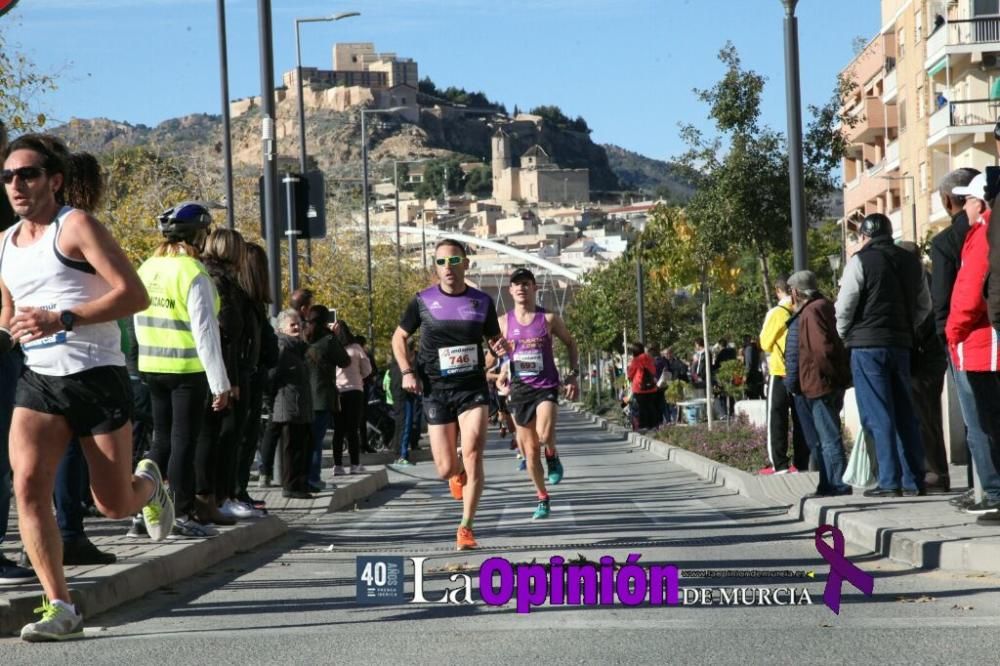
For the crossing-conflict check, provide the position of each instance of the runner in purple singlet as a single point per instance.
(535, 385)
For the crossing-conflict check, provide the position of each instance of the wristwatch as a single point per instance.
(67, 319)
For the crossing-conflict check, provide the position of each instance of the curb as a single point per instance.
(349, 490)
(164, 564)
(101, 588)
(922, 549)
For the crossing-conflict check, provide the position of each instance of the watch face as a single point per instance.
(67, 319)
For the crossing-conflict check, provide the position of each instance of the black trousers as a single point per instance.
(346, 424)
(649, 409)
(251, 432)
(178, 405)
(927, 401)
(268, 447)
(296, 451)
(779, 405)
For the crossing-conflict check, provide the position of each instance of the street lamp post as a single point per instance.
(269, 152)
(794, 104)
(302, 106)
(227, 149)
(368, 228)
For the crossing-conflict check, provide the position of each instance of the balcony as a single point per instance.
(896, 217)
(892, 156)
(859, 192)
(889, 84)
(873, 117)
(938, 213)
(966, 36)
(962, 118)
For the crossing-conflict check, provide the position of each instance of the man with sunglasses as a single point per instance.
(64, 282)
(450, 370)
(534, 391)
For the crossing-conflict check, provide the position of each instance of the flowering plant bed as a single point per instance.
(738, 444)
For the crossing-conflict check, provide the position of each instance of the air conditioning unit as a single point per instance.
(991, 61)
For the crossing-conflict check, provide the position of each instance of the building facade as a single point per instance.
(925, 97)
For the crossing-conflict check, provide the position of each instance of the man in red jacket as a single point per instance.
(973, 345)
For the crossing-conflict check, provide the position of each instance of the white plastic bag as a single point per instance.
(860, 471)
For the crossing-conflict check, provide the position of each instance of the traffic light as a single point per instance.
(309, 204)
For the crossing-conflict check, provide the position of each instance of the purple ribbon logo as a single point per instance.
(840, 568)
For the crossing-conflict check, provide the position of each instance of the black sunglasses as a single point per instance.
(24, 173)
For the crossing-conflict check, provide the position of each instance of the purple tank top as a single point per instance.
(532, 363)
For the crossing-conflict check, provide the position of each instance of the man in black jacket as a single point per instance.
(946, 251)
(882, 299)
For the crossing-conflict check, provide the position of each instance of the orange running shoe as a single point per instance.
(465, 539)
(455, 484)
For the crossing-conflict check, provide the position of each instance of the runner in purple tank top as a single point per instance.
(534, 393)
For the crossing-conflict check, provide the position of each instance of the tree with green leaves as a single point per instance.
(21, 85)
(742, 204)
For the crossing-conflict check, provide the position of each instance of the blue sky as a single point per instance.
(627, 66)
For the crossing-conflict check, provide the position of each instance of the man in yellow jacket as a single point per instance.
(779, 402)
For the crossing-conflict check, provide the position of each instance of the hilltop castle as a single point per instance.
(360, 77)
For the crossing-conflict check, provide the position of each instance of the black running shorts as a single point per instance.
(94, 402)
(442, 406)
(524, 401)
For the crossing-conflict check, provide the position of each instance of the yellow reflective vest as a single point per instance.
(163, 330)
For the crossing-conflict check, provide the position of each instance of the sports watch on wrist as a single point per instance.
(67, 319)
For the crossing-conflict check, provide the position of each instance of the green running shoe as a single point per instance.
(57, 624)
(542, 510)
(158, 514)
(555, 469)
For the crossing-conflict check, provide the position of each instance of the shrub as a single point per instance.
(742, 445)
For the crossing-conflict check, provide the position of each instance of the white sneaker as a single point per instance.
(58, 623)
(338, 470)
(158, 514)
(358, 469)
(235, 509)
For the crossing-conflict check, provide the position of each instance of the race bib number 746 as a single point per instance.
(458, 360)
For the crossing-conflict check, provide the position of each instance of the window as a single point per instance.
(902, 115)
(921, 103)
(918, 28)
(900, 44)
(923, 176)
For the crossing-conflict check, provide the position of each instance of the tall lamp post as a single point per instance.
(269, 152)
(913, 200)
(364, 204)
(227, 149)
(794, 103)
(302, 106)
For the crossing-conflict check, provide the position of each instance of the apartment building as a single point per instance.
(926, 96)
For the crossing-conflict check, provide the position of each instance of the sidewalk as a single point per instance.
(145, 565)
(922, 532)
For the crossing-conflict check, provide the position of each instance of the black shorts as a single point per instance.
(442, 406)
(524, 401)
(94, 402)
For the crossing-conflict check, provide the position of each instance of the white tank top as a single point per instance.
(41, 276)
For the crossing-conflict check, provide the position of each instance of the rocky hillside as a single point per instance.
(334, 143)
(644, 173)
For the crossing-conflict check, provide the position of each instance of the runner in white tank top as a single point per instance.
(64, 281)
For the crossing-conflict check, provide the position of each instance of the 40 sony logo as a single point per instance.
(6, 6)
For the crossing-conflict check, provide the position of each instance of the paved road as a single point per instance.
(295, 599)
